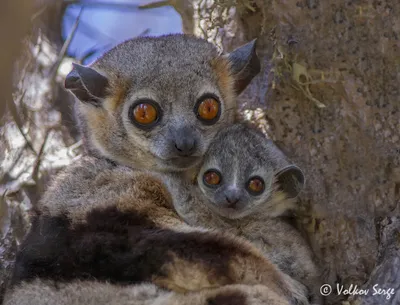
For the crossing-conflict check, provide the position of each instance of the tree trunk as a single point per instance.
(328, 94)
(384, 283)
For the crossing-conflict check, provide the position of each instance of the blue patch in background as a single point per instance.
(103, 25)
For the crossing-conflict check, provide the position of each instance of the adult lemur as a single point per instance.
(149, 103)
(156, 103)
(112, 224)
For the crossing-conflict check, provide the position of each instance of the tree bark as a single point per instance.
(343, 55)
(384, 282)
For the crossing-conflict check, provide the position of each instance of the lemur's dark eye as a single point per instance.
(212, 177)
(255, 186)
(208, 109)
(145, 113)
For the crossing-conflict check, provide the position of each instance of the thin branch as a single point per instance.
(54, 68)
(17, 120)
(24, 70)
(93, 51)
(89, 30)
(35, 172)
(16, 160)
(144, 33)
(109, 5)
(39, 12)
(156, 4)
(96, 49)
(71, 150)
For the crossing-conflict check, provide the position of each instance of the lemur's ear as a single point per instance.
(290, 180)
(244, 64)
(86, 84)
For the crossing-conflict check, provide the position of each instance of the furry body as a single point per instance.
(237, 153)
(112, 224)
(102, 230)
(97, 293)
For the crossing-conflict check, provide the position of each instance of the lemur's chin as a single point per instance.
(230, 212)
(181, 163)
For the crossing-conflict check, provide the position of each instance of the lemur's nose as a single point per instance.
(185, 147)
(184, 142)
(232, 197)
(232, 201)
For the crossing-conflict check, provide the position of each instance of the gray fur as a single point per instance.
(174, 71)
(238, 153)
(241, 153)
(95, 293)
(91, 184)
(41, 292)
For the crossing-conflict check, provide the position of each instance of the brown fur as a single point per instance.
(229, 297)
(41, 292)
(278, 240)
(117, 93)
(180, 257)
(175, 72)
(238, 153)
(222, 69)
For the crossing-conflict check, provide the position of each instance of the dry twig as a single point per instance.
(17, 120)
(54, 68)
(108, 5)
(35, 172)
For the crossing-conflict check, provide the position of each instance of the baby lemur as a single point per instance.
(243, 185)
(156, 102)
(108, 223)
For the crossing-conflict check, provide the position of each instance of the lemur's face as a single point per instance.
(177, 124)
(243, 170)
(157, 103)
(234, 194)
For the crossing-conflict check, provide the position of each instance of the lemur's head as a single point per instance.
(243, 170)
(157, 103)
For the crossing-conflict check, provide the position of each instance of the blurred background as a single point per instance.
(105, 24)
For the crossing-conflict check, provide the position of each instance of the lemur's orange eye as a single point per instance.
(255, 186)
(144, 113)
(212, 177)
(208, 110)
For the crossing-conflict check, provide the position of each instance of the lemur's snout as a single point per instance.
(185, 147)
(232, 197)
(184, 141)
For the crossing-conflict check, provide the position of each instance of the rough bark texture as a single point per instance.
(384, 283)
(344, 55)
